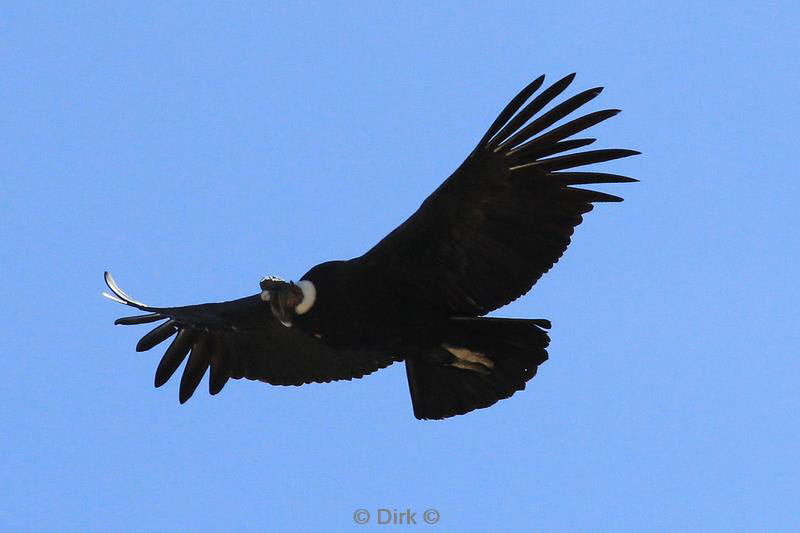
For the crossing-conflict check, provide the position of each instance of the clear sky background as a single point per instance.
(192, 148)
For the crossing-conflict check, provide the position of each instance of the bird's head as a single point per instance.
(288, 299)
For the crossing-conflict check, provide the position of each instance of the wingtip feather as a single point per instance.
(511, 109)
(119, 293)
(593, 196)
(157, 336)
(139, 319)
(196, 367)
(113, 298)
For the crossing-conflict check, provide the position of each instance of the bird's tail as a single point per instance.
(481, 361)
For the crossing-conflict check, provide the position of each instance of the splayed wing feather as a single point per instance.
(157, 336)
(113, 298)
(112, 284)
(576, 160)
(550, 118)
(558, 147)
(241, 339)
(512, 107)
(196, 366)
(587, 196)
(563, 131)
(217, 375)
(138, 319)
(174, 355)
(506, 215)
(536, 105)
(585, 178)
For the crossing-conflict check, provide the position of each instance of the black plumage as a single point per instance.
(479, 241)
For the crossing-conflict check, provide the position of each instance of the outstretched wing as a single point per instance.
(506, 215)
(240, 339)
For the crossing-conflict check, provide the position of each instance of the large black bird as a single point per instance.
(480, 241)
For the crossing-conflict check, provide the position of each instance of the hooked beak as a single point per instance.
(283, 298)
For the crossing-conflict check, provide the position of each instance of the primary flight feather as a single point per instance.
(481, 240)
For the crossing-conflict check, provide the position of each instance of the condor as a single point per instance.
(480, 241)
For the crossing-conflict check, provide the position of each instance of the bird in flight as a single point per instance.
(478, 242)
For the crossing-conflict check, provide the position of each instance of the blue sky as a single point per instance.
(192, 148)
